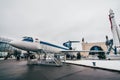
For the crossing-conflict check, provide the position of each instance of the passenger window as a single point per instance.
(28, 39)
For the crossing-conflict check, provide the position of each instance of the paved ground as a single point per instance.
(18, 70)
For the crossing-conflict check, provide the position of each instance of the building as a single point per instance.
(92, 46)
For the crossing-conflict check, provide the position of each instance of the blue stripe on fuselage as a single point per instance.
(52, 45)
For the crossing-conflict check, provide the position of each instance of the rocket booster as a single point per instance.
(115, 29)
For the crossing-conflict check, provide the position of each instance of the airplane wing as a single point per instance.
(84, 51)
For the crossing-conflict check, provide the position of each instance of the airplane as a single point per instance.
(35, 45)
(41, 47)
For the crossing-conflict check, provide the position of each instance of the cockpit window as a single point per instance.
(29, 39)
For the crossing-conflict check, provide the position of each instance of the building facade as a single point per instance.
(92, 46)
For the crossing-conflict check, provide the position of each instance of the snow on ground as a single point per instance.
(1, 58)
(106, 64)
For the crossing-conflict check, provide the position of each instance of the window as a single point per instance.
(28, 39)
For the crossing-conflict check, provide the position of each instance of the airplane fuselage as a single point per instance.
(28, 46)
(37, 45)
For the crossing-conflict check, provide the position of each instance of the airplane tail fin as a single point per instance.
(68, 44)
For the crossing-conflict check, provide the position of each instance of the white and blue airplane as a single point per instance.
(36, 45)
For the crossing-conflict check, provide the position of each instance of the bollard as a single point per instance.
(94, 63)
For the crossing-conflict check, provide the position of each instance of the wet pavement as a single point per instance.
(19, 70)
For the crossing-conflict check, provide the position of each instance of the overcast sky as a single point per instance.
(58, 20)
